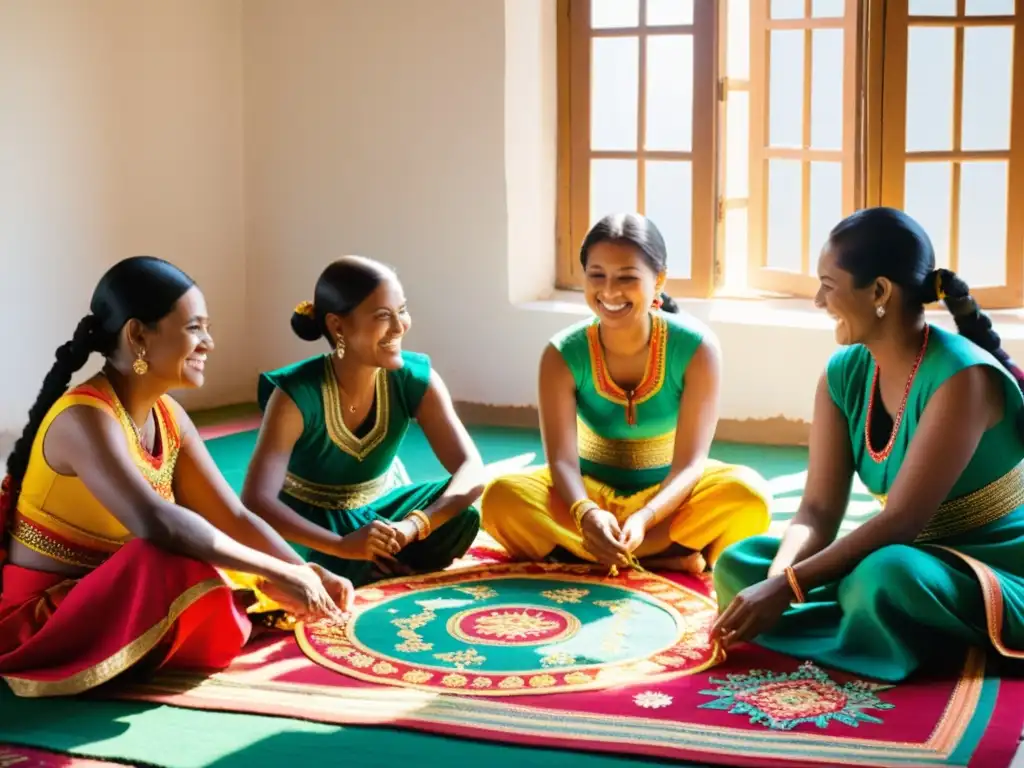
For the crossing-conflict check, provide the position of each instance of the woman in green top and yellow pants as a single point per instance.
(326, 472)
(931, 423)
(628, 406)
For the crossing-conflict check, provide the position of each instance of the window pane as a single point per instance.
(786, 89)
(930, 58)
(787, 9)
(668, 203)
(827, 89)
(737, 144)
(928, 195)
(785, 196)
(990, 8)
(737, 43)
(826, 205)
(670, 92)
(664, 12)
(612, 187)
(606, 14)
(933, 7)
(988, 67)
(982, 241)
(736, 247)
(822, 9)
(614, 82)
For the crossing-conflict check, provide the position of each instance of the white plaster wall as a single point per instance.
(120, 134)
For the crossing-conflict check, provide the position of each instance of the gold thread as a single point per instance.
(161, 477)
(341, 435)
(119, 661)
(973, 510)
(641, 453)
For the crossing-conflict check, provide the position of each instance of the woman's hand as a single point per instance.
(635, 529)
(754, 610)
(340, 589)
(377, 541)
(602, 537)
(300, 591)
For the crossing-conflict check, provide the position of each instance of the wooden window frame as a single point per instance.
(761, 276)
(891, 135)
(573, 212)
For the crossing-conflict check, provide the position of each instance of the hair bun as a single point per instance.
(668, 304)
(305, 325)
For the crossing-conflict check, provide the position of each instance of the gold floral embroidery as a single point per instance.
(542, 681)
(567, 595)
(39, 540)
(512, 682)
(478, 592)
(341, 436)
(454, 681)
(417, 676)
(481, 682)
(462, 659)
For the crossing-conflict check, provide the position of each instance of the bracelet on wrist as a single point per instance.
(798, 594)
(422, 523)
(579, 509)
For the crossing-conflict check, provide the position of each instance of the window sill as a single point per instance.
(771, 311)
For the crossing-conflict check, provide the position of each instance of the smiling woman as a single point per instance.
(326, 471)
(119, 513)
(933, 425)
(629, 406)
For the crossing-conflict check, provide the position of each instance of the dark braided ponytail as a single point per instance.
(143, 288)
(971, 322)
(886, 242)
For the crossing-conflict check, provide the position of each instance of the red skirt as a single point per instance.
(61, 636)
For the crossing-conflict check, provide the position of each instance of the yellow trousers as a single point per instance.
(525, 514)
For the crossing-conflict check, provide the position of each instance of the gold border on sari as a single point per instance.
(127, 657)
(973, 510)
(632, 453)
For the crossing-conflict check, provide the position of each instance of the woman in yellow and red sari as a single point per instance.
(115, 519)
(628, 407)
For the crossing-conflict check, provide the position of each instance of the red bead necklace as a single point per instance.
(882, 455)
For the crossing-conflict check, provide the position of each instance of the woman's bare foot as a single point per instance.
(692, 562)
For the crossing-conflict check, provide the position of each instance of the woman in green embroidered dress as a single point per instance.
(326, 472)
(931, 423)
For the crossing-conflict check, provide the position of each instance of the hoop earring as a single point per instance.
(140, 366)
(339, 347)
(880, 311)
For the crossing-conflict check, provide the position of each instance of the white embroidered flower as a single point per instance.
(652, 700)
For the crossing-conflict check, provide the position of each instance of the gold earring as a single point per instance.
(140, 366)
(339, 347)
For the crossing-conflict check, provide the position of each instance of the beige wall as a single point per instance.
(420, 132)
(120, 134)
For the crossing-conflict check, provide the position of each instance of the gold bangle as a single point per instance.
(422, 523)
(798, 594)
(579, 509)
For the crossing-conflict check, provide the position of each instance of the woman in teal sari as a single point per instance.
(931, 423)
(326, 472)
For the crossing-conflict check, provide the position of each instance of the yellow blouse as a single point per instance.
(57, 515)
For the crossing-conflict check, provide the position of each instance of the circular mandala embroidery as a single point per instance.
(520, 628)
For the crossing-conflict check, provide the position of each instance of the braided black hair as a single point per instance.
(639, 232)
(143, 288)
(885, 242)
(341, 287)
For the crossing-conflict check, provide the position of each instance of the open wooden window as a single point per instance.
(951, 152)
(637, 117)
(804, 60)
